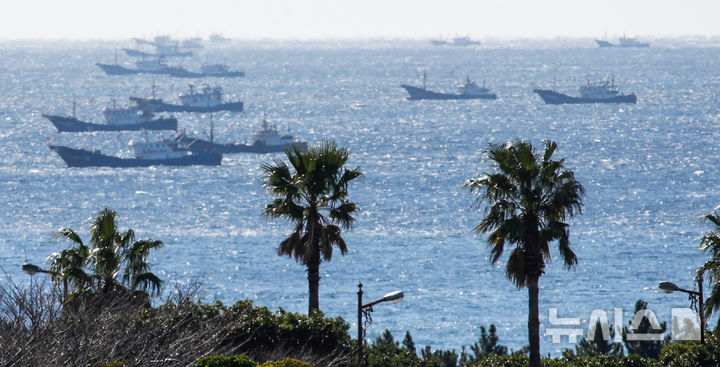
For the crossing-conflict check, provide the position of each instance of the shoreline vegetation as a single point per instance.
(93, 306)
(36, 329)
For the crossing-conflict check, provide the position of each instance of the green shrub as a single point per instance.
(110, 364)
(287, 362)
(257, 328)
(226, 361)
(691, 354)
(517, 360)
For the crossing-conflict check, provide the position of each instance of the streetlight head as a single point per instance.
(31, 269)
(394, 297)
(668, 287)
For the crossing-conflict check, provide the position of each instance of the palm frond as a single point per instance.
(515, 268)
(70, 235)
(342, 214)
(147, 281)
(293, 245)
(712, 303)
(331, 237)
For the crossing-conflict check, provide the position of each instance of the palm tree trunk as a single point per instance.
(313, 270)
(533, 320)
(313, 264)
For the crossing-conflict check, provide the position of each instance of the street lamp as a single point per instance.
(366, 309)
(33, 269)
(695, 296)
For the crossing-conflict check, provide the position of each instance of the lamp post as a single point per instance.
(33, 269)
(695, 296)
(365, 310)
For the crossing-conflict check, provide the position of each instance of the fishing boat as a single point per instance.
(623, 42)
(467, 90)
(161, 153)
(207, 99)
(464, 41)
(155, 66)
(599, 92)
(219, 70)
(266, 140)
(456, 41)
(164, 46)
(117, 119)
(159, 67)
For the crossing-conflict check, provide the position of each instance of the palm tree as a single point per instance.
(315, 198)
(97, 268)
(528, 198)
(710, 244)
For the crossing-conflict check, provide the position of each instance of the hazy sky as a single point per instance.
(317, 19)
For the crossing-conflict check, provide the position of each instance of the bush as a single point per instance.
(287, 362)
(691, 354)
(226, 361)
(36, 330)
(596, 361)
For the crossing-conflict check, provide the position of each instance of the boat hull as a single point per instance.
(71, 124)
(552, 97)
(203, 146)
(602, 43)
(420, 93)
(87, 158)
(111, 69)
(157, 106)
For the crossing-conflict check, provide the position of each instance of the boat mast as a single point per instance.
(73, 106)
(424, 79)
(211, 128)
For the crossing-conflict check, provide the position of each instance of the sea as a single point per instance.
(651, 170)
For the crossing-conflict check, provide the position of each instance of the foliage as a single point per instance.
(528, 197)
(287, 362)
(226, 361)
(438, 358)
(649, 348)
(36, 331)
(596, 361)
(112, 262)
(315, 198)
(261, 329)
(691, 354)
(599, 345)
(486, 345)
(710, 244)
(408, 342)
(110, 364)
(384, 351)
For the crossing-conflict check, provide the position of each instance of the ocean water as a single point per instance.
(650, 171)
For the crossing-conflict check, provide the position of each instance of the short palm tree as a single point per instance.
(710, 244)
(315, 198)
(113, 260)
(528, 198)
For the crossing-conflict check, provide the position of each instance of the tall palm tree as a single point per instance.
(710, 244)
(315, 198)
(528, 198)
(97, 268)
